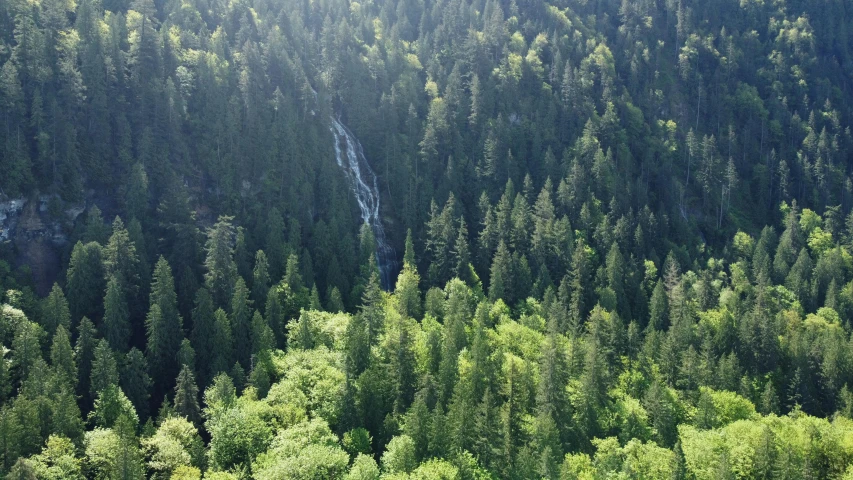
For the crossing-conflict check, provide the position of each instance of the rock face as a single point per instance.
(37, 236)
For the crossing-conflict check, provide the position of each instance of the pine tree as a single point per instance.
(85, 280)
(357, 346)
(26, 348)
(62, 358)
(84, 354)
(186, 396)
(274, 244)
(409, 252)
(407, 293)
(163, 327)
(203, 334)
(462, 256)
(222, 344)
(658, 307)
(104, 368)
(221, 272)
(116, 325)
(135, 381)
(241, 323)
(122, 261)
(275, 316)
(242, 257)
(551, 400)
(186, 354)
(263, 339)
(260, 280)
(511, 414)
(127, 464)
(372, 309)
(55, 311)
(500, 280)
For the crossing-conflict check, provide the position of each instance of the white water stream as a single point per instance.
(350, 157)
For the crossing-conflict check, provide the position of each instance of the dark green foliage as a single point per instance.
(241, 323)
(85, 280)
(116, 328)
(186, 396)
(135, 381)
(164, 329)
(603, 178)
(104, 368)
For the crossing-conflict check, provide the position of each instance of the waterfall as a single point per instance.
(350, 157)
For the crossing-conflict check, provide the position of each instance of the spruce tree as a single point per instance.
(55, 311)
(221, 269)
(203, 334)
(121, 261)
(275, 316)
(163, 328)
(500, 280)
(241, 323)
(135, 381)
(186, 396)
(222, 344)
(104, 369)
(116, 323)
(260, 281)
(84, 354)
(85, 281)
(62, 358)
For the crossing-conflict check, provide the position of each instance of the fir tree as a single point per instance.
(116, 323)
(104, 368)
(241, 323)
(186, 396)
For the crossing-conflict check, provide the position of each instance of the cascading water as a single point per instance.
(350, 157)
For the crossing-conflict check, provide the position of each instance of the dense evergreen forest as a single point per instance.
(625, 232)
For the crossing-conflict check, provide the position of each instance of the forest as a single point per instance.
(615, 239)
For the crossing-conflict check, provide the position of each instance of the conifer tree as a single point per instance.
(55, 311)
(372, 308)
(85, 280)
(500, 280)
(127, 464)
(221, 272)
(407, 293)
(135, 381)
(222, 344)
(116, 325)
(260, 281)
(121, 260)
(84, 354)
(62, 358)
(186, 396)
(462, 255)
(242, 256)
(203, 334)
(241, 323)
(163, 327)
(409, 251)
(26, 348)
(104, 368)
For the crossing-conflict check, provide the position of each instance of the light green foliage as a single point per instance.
(311, 380)
(723, 408)
(363, 468)
(238, 435)
(399, 456)
(175, 444)
(737, 448)
(111, 404)
(320, 328)
(305, 450)
(58, 460)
